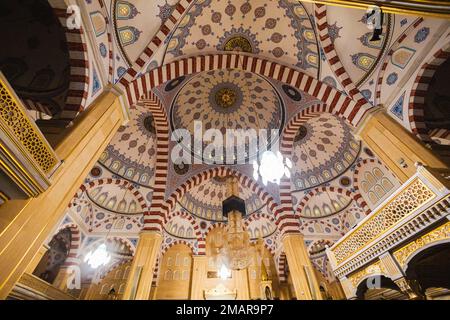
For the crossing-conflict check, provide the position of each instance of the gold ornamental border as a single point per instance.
(347, 252)
(23, 130)
(404, 253)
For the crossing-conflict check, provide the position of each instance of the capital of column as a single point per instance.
(125, 105)
(410, 287)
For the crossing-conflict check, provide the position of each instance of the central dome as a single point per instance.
(227, 99)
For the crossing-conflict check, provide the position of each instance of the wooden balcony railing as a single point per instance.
(422, 200)
(30, 287)
(25, 155)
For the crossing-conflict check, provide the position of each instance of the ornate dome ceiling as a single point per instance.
(227, 99)
(180, 227)
(134, 29)
(325, 204)
(351, 38)
(132, 152)
(205, 200)
(117, 198)
(273, 29)
(324, 148)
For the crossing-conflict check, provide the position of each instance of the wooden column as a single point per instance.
(398, 148)
(25, 224)
(37, 259)
(139, 282)
(300, 267)
(198, 278)
(241, 282)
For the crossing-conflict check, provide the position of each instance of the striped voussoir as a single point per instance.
(420, 88)
(153, 220)
(256, 217)
(37, 106)
(343, 105)
(166, 247)
(332, 57)
(75, 241)
(156, 270)
(158, 39)
(319, 242)
(201, 245)
(282, 267)
(352, 195)
(387, 58)
(110, 181)
(79, 64)
(443, 135)
(213, 226)
(288, 222)
(222, 172)
(123, 241)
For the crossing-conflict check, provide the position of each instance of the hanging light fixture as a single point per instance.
(235, 252)
(272, 167)
(98, 257)
(224, 272)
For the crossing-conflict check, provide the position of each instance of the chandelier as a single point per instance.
(235, 252)
(272, 167)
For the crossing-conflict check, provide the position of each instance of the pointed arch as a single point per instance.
(357, 197)
(79, 62)
(221, 172)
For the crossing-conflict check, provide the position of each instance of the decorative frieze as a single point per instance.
(403, 254)
(410, 199)
(25, 155)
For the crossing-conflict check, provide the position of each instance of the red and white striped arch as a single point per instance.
(420, 88)
(79, 63)
(343, 105)
(200, 239)
(166, 247)
(282, 267)
(288, 222)
(155, 43)
(222, 172)
(357, 197)
(387, 58)
(74, 248)
(333, 58)
(153, 220)
(109, 181)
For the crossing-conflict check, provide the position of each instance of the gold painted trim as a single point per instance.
(404, 253)
(16, 120)
(22, 169)
(340, 261)
(3, 196)
(16, 179)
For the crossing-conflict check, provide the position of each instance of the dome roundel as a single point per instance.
(227, 99)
